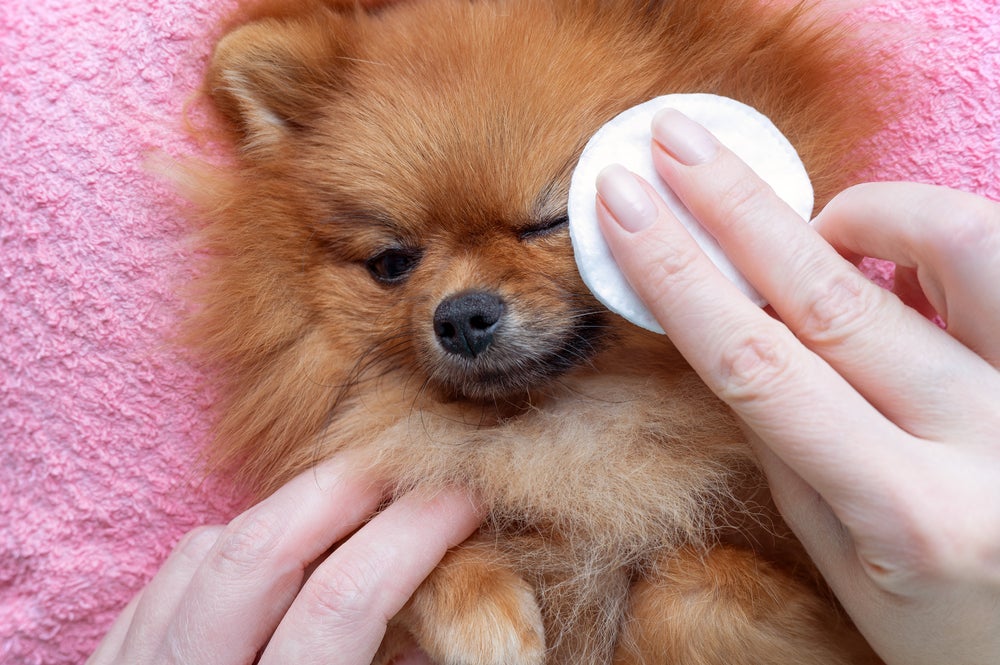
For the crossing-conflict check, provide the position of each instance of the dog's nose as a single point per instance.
(465, 322)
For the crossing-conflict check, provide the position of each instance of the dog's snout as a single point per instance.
(465, 323)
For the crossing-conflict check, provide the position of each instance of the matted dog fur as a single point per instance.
(389, 270)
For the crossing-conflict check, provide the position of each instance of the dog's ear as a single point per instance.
(270, 78)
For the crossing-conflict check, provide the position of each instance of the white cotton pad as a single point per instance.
(626, 140)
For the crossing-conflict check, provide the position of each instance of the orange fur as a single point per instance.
(728, 597)
(449, 130)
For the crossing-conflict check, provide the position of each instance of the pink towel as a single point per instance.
(99, 422)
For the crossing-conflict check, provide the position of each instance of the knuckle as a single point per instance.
(672, 270)
(197, 543)
(342, 594)
(906, 564)
(740, 199)
(950, 551)
(837, 308)
(753, 367)
(918, 542)
(929, 557)
(984, 560)
(177, 649)
(669, 276)
(250, 542)
(930, 544)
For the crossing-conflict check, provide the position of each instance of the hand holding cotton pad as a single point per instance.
(626, 140)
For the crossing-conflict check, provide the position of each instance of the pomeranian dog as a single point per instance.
(389, 271)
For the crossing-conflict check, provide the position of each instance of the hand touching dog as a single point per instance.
(229, 593)
(877, 429)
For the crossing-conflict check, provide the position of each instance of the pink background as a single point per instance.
(100, 420)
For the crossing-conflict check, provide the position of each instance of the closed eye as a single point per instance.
(543, 228)
(393, 265)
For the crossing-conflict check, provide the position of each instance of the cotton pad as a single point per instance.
(626, 140)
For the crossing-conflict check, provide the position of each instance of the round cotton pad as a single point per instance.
(626, 140)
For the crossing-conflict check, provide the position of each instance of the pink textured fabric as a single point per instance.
(100, 423)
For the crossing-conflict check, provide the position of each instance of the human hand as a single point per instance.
(878, 430)
(229, 593)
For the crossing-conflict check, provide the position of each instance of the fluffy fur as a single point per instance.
(387, 161)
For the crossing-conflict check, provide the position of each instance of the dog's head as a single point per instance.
(413, 167)
(398, 202)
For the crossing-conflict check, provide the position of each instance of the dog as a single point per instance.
(388, 270)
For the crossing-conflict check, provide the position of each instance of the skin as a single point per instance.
(228, 592)
(878, 430)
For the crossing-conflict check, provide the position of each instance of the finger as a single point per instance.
(246, 583)
(829, 305)
(782, 390)
(153, 609)
(342, 611)
(951, 239)
(882, 581)
(824, 537)
(141, 626)
(805, 511)
(108, 650)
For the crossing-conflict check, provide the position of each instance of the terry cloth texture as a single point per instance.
(100, 422)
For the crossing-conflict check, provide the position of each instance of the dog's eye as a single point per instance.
(544, 228)
(392, 265)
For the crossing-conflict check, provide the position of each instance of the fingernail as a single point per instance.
(625, 198)
(683, 138)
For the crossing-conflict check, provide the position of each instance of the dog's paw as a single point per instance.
(501, 628)
(472, 611)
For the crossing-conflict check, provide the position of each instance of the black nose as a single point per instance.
(465, 322)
